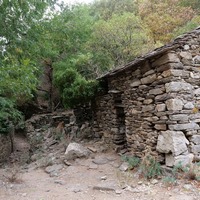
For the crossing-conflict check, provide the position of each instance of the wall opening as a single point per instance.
(120, 135)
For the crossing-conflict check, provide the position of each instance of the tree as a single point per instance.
(194, 4)
(105, 9)
(163, 17)
(120, 39)
(17, 17)
(18, 66)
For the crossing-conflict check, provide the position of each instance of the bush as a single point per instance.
(132, 161)
(8, 115)
(150, 167)
(74, 88)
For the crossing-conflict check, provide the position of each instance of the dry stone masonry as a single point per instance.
(154, 101)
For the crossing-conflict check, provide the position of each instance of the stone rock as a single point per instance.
(173, 142)
(136, 83)
(154, 182)
(60, 182)
(178, 73)
(196, 59)
(100, 161)
(195, 76)
(186, 47)
(148, 108)
(184, 160)
(118, 191)
(167, 58)
(179, 117)
(188, 126)
(156, 91)
(195, 149)
(106, 186)
(75, 150)
(162, 127)
(92, 149)
(103, 188)
(149, 79)
(161, 107)
(67, 163)
(148, 101)
(174, 104)
(187, 55)
(178, 86)
(195, 139)
(124, 166)
(53, 168)
(103, 178)
(189, 106)
(92, 166)
(197, 92)
(188, 187)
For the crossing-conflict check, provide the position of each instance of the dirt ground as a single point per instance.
(96, 178)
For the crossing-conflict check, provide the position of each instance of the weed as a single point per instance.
(169, 181)
(133, 162)
(14, 175)
(178, 169)
(193, 172)
(149, 166)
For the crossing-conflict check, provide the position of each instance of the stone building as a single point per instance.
(153, 102)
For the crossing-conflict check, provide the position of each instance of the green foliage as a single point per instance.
(169, 181)
(132, 161)
(16, 18)
(194, 4)
(105, 9)
(17, 79)
(8, 115)
(82, 42)
(179, 168)
(163, 17)
(189, 26)
(121, 38)
(150, 167)
(75, 89)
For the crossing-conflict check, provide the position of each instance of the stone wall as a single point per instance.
(158, 95)
(40, 127)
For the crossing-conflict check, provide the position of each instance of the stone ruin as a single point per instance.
(153, 103)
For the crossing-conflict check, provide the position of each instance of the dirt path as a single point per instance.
(96, 178)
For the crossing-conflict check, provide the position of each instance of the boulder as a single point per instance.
(75, 150)
(173, 142)
(195, 139)
(184, 160)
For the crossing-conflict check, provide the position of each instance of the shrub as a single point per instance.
(150, 167)
(169, 181)
(74, 88)
(132, 161)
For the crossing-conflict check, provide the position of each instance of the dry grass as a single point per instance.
(14, 175)
(193, 172)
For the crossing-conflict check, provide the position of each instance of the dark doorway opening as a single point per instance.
(120, 136)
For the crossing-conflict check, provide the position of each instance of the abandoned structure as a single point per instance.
(153, 102)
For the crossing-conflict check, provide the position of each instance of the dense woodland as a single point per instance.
(79, 43)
